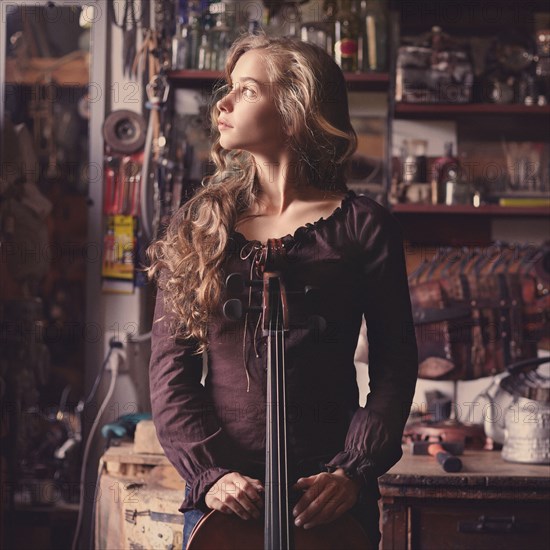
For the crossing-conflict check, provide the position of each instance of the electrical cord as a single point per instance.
(100, 470)
(147, 203)
(139, 337)
(113, 344)
(64, 396)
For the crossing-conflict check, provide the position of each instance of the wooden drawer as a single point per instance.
(480, 525)
(490, 504)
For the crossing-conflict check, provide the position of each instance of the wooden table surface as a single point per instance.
(483, 473)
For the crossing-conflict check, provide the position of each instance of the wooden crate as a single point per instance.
(137, 502)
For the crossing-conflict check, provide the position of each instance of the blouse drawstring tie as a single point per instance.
(255, 268)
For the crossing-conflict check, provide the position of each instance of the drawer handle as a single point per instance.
(486, 524)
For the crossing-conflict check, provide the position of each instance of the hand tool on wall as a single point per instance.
(444, 453)
(129, 25)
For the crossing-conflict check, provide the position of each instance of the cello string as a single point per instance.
(285, 440)
(278, 405)
(269, 442)
(269, 486)
(282, 440)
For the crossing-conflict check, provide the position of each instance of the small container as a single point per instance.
(441, 175)
(420, 147)
(409, 169)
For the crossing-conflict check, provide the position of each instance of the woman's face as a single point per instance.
(248, 118)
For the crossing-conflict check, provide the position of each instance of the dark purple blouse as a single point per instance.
(355, 259)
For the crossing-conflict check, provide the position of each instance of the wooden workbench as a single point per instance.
(490, 504)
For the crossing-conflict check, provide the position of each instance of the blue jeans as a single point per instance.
(190, 519)
(366, 512)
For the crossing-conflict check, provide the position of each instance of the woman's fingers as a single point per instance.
(237, 494)
(233, 505)
(254, 491)
(317, 501)
(327, 497)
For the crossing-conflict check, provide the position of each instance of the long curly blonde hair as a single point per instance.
(309, 91)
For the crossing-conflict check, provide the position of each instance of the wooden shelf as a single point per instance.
(356, 81)
(192, 75)
(73, 70)
(436, 110)
(367, 82)
(483, 210)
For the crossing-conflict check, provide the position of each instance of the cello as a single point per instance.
(219, 531)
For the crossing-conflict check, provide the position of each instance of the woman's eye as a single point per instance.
(240, 90)
(250, 93)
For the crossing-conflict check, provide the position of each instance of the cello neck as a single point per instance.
(278, 530)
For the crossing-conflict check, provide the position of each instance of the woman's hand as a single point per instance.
(327, 496)
(236, 494)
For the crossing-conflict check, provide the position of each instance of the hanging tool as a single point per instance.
(129, 25)
(158, 90)
(124, 131)
(111, 195)
(444, 452)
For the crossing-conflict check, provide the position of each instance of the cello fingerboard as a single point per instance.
(279, 528)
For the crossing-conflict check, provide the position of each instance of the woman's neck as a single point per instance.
(280, 186)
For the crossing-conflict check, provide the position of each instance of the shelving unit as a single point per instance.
(360, 82)
(189, 77)
(466, 209)
(524, 121)
(71, 70)
(427, 224)
(431, 110)
(457, 225)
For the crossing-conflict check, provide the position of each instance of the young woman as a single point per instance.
(282, 139)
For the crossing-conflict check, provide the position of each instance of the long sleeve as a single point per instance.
(373, 441)
(186, 424)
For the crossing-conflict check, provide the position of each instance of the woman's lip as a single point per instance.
(222, 124)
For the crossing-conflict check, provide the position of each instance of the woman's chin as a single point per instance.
(228, 143)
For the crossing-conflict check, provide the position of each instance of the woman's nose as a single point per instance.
(225, 103)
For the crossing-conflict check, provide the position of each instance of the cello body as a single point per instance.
(218, 531)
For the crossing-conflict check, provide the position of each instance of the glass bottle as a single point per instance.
(420, 146)
(329, 19)
(409, 163)
(293, 17)
(180, 47)
(194, 35)
(205, 54)
(346, 36)
(321, 31)
(444, 175)
(220, 36)
(542, 71)
(374, 22)
(284, 20)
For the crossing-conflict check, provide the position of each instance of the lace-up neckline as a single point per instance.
(308, 227)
